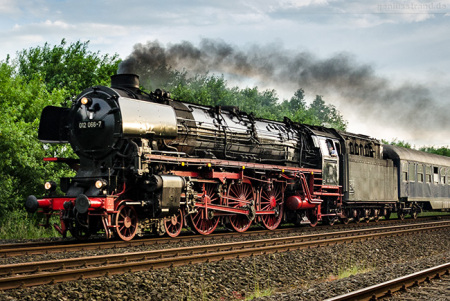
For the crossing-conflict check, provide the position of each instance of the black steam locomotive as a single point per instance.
(148, 163)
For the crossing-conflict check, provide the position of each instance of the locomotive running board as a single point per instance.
(226, 163)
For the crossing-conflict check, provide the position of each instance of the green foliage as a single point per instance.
(327, 115)
(72, 68)
(396, 142)
(21, 167)
(443, 151)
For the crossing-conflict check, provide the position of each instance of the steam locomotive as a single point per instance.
(148, 163)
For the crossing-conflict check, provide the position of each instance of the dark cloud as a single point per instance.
(356, 86)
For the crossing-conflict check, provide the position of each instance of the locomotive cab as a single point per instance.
(328, 143)
(330, 149)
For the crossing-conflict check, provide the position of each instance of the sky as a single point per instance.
(383, 64)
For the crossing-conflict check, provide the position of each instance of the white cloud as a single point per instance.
(9, 7)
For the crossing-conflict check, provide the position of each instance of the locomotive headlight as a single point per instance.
(50, 186)
(86, 101)
(99, 184)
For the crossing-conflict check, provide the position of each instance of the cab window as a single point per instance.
(328, 148)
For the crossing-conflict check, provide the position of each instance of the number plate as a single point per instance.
(91, 124)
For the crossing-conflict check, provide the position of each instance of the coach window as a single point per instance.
(428, 174)
(420, 173)
(443, 178)
(412, 172)
(436, 175)
(405, 171)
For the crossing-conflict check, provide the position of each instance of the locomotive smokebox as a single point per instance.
(127, 81)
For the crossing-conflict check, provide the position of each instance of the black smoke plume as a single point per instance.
(347, 84)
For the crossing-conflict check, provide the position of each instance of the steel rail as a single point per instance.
(35, 248)
(132, 256)
(399, 284)
(139, 261)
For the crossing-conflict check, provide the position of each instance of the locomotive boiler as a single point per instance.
(148, 163)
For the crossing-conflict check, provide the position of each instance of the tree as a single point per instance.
(443, 151)
(70, 67)
(327, 115)
(397, 142)
(21, 167)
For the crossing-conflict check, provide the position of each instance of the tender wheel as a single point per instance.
(345, 220)
(272, 200)
(201, 223)
(367, 216)
(330, 220)
(356, 216)
(240, 195)
(126, 222)
(175, 224)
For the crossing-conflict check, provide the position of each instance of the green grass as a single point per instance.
(258, 293)
(352, 270)
(19, 225)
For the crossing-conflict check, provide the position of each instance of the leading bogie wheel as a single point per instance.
(174, 225)
(126, 222)
(78, 227)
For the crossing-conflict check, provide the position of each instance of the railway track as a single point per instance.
(399, 284)
(35, 248)
(55, 271)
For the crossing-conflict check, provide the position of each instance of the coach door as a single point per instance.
(330, 150)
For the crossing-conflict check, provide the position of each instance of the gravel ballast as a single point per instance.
(300, 275)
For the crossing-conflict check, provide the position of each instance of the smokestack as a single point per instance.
(125, 81)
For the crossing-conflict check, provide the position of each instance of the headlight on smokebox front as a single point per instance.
(50, 186)
(100, 184)
(86, 101)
